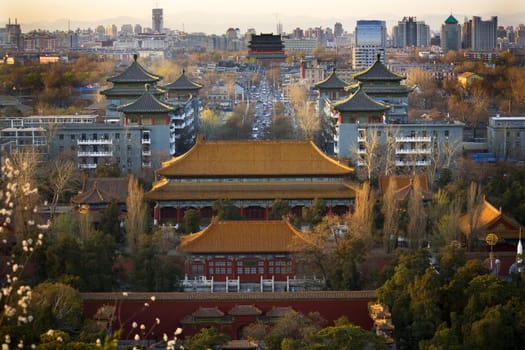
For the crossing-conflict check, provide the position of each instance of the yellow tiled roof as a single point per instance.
(253, 158)
(164, 190)
(487, 215)
(245, 237)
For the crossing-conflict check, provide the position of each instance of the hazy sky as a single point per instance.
(215, 16)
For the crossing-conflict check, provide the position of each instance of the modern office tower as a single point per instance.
(466, 34)
(137, 29)
(422, 34)
(411, 33)
(157, 20)
(338, 29)
(484, 33)
(450, 34)
(370, 40)
(13, 35)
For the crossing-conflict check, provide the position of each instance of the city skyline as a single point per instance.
(213, 17)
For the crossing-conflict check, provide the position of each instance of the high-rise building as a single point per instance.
(411, 33)
(338, 29)
(484, 33)
(157, 20)
(450, 34)
(370, 33)
(13, 35)
(370, 40)
(466, 34)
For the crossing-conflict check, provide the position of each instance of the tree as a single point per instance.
(136, 216)
(391, 215)
(192, 220)
(225, 210)
(474, 206)
(210, 123)
(367, 153)
(152, 272)
(345, 337)
(280, 209)
(206, 338)
(361, 221)
(110, 221)
(56, 306)
(62, 179)
(417, 216)
(293, 328)
(315, 212)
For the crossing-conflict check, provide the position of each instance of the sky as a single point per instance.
(216, 16)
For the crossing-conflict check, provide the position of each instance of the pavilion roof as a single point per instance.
(258, 190)
(245, 237)
(331, 82)
(252, 158)
(403, 186)
(490, 218)
(135, 73)
(147, 103)
(183, 83)
(359, 101)
(378, 72)
(102, 190)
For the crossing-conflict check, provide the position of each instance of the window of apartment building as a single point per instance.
(106, 136)
(60, 136)
(117, 136)
(424, 133)
(72, 136)
(446, 133)
(83, 136)
(128, 136)
(412, 133)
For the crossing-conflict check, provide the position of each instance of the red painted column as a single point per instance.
(156, 214)
(179, 215)
(266, 213)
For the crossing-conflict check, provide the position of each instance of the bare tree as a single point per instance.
(136, 217)
(306, 118)
(367, 153)
(475, 200)
(390, 210)
(24, 189)
(61, 180)
(417, 216)
(360, 222)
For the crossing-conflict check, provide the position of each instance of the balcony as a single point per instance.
(146, 164)
(146, 141)
(414, 151)
(146, 153)
(87, 166)
(414, 139)
(95, 142)
(402, 163)
(94, 154)
(361, 151)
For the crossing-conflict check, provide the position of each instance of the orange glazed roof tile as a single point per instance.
(253, 158)
(245, 237)
(165, 190)
(488, 216)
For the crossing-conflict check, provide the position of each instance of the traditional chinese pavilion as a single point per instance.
(492, 220)
(252, 174)
(266, 48)
(183, 95)
(332, 87)
(386, 87)
(244, 250)
(129, 85)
